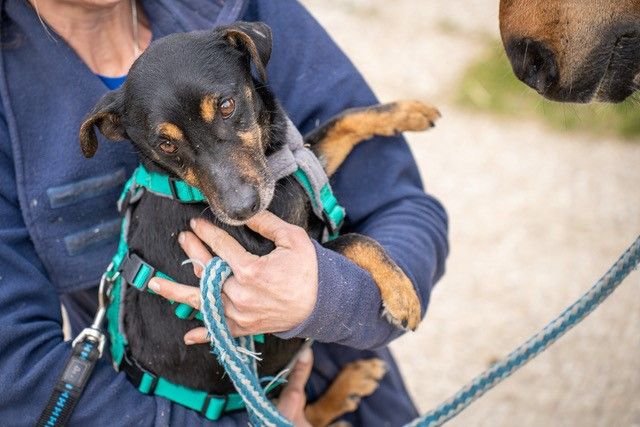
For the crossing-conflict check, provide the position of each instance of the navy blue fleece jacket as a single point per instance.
(58, 221)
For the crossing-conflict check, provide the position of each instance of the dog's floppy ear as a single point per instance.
(106, 116)
(254, 38)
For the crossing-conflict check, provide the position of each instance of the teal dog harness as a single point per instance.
(129, 269)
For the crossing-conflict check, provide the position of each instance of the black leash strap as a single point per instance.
(71, 383)
(87, 348)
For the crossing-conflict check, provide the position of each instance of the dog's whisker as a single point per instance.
(193, 261)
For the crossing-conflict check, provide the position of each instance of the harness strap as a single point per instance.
(296, 159)
(166, 186)
(128, 268)
(210, 406)
(137, 273)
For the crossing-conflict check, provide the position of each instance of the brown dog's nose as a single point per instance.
(533, 63)
(244, 203)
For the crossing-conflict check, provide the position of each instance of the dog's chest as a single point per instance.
(153, 331)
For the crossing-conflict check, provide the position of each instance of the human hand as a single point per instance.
(293, 398)
(272, 293)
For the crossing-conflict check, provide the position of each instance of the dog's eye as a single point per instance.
(227, 106)
(168, 147)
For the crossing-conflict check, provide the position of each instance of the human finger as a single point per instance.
(195, 250)
(272, 227)
(222, 244)
(185, 294)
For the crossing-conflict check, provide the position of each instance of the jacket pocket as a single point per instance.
(75, 192)
(79, 241)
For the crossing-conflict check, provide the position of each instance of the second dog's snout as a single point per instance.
(533, 63)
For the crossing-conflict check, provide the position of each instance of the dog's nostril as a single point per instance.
(533, 63)
(244, 203)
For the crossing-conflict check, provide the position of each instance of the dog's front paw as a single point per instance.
(400, 302)
(414, 116)
(399, 299)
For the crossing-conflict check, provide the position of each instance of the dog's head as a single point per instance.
(574, 50)
(190, 106)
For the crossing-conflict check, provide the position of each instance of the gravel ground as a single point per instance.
(536, 217)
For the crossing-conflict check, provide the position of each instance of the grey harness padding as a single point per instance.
(294, 155)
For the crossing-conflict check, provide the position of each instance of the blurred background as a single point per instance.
(542, 198)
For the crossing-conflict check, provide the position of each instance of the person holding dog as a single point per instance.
(59, 225)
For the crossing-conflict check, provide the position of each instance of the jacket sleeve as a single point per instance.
(32, 350)
(378, 184)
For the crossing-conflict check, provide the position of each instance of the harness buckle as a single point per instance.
(173, 188)
(130, 268)
(136, 373)
(207, 402)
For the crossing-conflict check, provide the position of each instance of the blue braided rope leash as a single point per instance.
(537, 343)
(262, 411)
(231, 356)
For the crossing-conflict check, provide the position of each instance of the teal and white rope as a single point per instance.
(262, 411)
(234, 358)
(537, 343)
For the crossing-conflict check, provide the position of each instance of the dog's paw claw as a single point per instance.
(416, 116)
(401, 306)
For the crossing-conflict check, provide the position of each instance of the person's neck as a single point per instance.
(102, 36)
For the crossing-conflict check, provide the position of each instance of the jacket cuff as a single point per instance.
(344, 289)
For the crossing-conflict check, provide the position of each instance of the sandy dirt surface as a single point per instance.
(535, 218)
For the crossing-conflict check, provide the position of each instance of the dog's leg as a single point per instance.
(333, 141)
(355, 381)
(399, 298)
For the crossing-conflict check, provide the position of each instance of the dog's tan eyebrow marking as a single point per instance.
(191, 177)
(208, 107)
(252, 136)
(170, 131)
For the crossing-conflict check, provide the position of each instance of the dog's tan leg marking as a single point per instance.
(399, 298)
(359, 124)
(355, 381)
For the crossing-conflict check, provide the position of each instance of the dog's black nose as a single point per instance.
(244, 203)
(533, 63)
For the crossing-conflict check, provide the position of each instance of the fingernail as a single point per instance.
(154, 286)
(181, 238)
(193, 223)
(306, 356)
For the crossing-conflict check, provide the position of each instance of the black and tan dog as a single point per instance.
(193, 111)
(574, 50)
